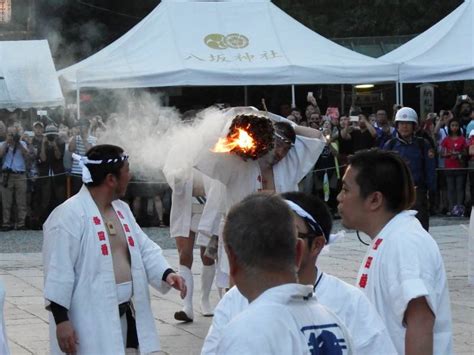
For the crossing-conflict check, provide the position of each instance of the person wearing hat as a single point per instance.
(419, 155)
(52, 181)
(80, 144)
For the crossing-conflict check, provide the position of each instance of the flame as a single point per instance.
(237, 140)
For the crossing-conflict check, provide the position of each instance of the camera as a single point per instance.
(51, 138)
(16, 138)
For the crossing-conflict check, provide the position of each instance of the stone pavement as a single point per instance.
(27, 321)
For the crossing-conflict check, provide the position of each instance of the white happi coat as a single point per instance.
(403, 263)
(79, 275)
(286, 319)
(4, 350)
(368, 333)
(213, 210)
(242, 178)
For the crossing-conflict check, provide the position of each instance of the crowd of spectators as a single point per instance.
(446, 139)
(38, 172)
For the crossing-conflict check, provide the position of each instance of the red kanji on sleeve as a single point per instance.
(377, 244)
(125, 226)
(363, 280)
(131, 241)
(101, 236)
(105, 250)
(120, 214)
(96, 220)
(368, 262)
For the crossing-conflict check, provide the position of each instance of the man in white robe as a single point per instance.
(98, 264)
(368, 333)
(403, 272)
(3, 333)
(283, 316)
(187, 213)
(296, 151)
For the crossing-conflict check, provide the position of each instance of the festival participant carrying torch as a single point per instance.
(260, 151)
(98, 264)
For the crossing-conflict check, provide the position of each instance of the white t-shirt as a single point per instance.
(401, 264)
(367, 331)
(286, 319)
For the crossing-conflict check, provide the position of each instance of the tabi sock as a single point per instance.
(207, 277)
(187, 275)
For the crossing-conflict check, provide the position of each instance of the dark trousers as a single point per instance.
(422, 206)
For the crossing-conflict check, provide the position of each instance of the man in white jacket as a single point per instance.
(98, 264)
(313, 222)
(295, 152)
(283, 316)
(403, 272)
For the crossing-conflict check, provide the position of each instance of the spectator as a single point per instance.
(314, 121)
(14, 152)
(296, 113)
(34, 187)
(462, 111)
(441, 132)
(51, 170)
(97, 126)
(346, 147)
(80, 144)
(454, 148)
(361, 133)
(471, 165)
(420, 157)
(3, 132)
(384, 129)
(470, 126)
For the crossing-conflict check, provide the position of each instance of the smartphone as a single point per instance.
(354, 118)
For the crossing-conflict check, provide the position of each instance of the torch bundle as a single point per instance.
(249, 136)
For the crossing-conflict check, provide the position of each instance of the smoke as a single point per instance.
(157, 139)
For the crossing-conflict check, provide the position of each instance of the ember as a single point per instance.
(249, 137)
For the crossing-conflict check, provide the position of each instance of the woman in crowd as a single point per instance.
(454, 149)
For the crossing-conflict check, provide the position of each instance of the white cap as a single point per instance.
(406, 114)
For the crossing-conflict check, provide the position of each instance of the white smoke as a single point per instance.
(158, 141)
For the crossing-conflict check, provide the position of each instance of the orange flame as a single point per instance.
(238, 140)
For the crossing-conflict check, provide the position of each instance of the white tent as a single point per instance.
(233, 42)
(28, 77)
(444, 52)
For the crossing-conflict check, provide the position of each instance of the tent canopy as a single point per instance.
(28, 77)
(444, 52)
(223, 43)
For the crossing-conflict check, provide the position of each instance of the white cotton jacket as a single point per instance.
(366, 329)
(79, 275)
(403, 263)
(286, 319)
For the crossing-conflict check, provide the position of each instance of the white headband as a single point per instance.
(86, 174)
(303, 214)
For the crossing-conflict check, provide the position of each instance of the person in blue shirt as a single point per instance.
(420, 157)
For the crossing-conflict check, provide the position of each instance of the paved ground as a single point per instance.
(27, 321)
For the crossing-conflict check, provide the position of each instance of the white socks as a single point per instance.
(207, 277)
(187, 275)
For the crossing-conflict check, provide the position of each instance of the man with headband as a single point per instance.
(296, 150)
(283, 316)
(98, 264)
(314, 223)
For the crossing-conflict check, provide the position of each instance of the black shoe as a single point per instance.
(5, 228)
(182, 316)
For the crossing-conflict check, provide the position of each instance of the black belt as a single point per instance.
(132, 336)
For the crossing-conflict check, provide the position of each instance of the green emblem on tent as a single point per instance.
(219, 41)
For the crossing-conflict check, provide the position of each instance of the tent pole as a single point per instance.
(78, 100)
(342, 99)
(401, 93)
(246, 97)
(293, 96)
(397, 93)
